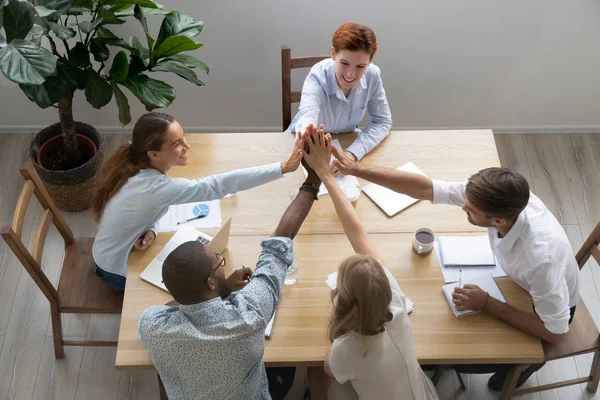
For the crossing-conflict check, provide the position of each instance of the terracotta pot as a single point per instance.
(86, 145)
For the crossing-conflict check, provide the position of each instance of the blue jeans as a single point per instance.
(117, 282)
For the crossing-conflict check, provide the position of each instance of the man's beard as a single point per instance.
(224, 290)
(485, 224)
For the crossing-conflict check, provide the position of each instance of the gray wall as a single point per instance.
(530, 65)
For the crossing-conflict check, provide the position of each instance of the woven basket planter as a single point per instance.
(71, 189)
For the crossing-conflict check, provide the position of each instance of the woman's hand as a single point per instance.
(344, 163)
(335, 167)
(145, 241)
(319, 150)
(292, 163)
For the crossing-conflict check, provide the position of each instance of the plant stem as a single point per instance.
(67, 124)
(66, 46)
(53, 45)
(87, 36)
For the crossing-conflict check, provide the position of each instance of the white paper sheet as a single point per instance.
(183, 212)
(451, 273)
(342, 180)
(332, 283)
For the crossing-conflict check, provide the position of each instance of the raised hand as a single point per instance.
(318, 154)
(292, 163)
(343, 162)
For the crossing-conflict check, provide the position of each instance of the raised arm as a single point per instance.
(413, 185)
(318, 155)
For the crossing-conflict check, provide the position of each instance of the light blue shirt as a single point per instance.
(214, 350)
(323, 102)
(146, 197)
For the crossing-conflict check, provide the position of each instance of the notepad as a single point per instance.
(485, 282)
(458, 251)
(389, 201)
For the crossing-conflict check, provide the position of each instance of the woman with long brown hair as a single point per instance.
(339, 91)
(134, 190)
(369, 329)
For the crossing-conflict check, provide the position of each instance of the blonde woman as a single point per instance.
(369, 329)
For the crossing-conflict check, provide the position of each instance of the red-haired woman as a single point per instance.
(338, 91)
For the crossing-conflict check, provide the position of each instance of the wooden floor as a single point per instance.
(564, 170)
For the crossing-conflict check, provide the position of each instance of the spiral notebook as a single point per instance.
(486, 282)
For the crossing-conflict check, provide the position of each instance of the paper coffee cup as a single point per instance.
(352, 193)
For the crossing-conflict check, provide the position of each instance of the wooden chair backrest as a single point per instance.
(13, 235)
(589, 248)
(287, 96)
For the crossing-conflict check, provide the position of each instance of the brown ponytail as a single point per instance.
(130, 158)
(361, 302)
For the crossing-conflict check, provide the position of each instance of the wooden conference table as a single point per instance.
(299, 334)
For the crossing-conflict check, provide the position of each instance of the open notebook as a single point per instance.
(485, 282)
(459, 251)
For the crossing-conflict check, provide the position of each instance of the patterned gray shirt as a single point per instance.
(214, 349)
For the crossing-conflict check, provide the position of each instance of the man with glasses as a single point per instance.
(211, 346)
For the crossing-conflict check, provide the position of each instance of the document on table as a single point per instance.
(181, 213)
(451, 273)
(464, 251)
(332, 283)
(342, 180)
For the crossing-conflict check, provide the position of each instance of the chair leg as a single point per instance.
(510, 384)
(59, 351)
(592, 385)
(460, 380)
(437, 375)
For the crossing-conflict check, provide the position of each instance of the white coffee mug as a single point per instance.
(423, 240)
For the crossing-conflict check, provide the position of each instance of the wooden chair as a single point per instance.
(583, 338)
(79, 289)
(287, 96)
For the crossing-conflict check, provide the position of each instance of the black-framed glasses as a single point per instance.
(221, 262)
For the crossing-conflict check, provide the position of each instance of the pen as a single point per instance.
(460, 278)
(191, 219)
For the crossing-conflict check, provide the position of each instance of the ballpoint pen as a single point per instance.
(191, 219)
(460, 278)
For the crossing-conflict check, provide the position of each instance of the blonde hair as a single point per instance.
(361, 302)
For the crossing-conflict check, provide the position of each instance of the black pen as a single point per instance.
(191, 219)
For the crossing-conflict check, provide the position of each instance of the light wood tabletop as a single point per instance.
(299, 333)
(447, 155)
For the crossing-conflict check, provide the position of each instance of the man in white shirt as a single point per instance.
(526, 239)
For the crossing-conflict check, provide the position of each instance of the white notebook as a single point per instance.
(389, 201)
(486, 282)
(457, 251)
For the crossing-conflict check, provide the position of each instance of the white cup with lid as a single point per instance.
(352, 193)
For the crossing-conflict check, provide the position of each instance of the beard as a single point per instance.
(224, 290)
(484, 224)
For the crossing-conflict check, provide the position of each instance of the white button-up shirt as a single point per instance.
(215, 349)
(536, 254)
(323, 102)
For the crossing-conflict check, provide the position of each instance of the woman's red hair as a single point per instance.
(352, 36)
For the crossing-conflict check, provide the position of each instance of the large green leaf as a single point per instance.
(174, 45)
(62, 32)
(136, 65)
(120, 67)
(111, 39)
(151, 92)
(142, 3)
(99, 50)
(48, 93)
(188, 61)
(106, 34)
(87, 26)
(61, 6)
(108, 17)
(177, 24)
(18, 19)
(139, 15)
(76, 76)
(43, 11)
(97, 90)
(122, 103)
(79, 56)
(24, 62)
(35, 35)
(2, 4)
(2, 41)
(184, 72)
(86, 4)
(140, 50)
(128, 10)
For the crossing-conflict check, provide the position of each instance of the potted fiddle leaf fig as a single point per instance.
(53, 48)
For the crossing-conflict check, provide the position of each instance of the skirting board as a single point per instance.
(232, 129)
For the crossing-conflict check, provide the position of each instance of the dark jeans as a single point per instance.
(117, 282)
(280, 382)
(496, 368)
